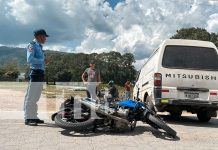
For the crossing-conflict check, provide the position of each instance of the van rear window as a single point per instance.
(189, 57)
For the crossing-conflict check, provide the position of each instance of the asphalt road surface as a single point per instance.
(191, 135)
(14, 135)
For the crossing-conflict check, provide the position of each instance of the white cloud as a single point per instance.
(129, 38)
(58, 47)
(135, 26)
(95, 42)
(213, 23)
(21, 10)
(139, 63)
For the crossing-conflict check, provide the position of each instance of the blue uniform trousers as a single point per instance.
(33, 94)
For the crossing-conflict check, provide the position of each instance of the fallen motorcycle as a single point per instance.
(116, 115)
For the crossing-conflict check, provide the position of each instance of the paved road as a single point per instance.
(191, 135)
(14, 135)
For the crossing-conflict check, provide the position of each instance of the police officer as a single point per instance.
(36, 59)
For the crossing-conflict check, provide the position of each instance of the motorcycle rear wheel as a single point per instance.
(74, 125)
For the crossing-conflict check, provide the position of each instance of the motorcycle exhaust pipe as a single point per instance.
(97, 109)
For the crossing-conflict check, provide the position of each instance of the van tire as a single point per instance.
(150, 104)
(203, 117)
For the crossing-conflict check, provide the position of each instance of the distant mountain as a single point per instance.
(11, 54)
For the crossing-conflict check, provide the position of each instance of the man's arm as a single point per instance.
(30, 55)
(46, 59)
(125, 85)
(84, 76)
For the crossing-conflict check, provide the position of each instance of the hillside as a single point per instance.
(10, 54)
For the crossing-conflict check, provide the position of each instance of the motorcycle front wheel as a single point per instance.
(161, 124)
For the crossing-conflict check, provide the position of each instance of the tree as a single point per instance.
(117, 67)
(196, 34)
(63, 76)
(68, 67)
(55, 65)
(2, 71)
(11, 70)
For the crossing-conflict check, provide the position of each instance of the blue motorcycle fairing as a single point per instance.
(130, 103)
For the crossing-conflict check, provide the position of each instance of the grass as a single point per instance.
(13, 85)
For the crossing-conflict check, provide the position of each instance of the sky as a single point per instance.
(135, 26)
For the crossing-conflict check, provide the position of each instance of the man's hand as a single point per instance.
(46, 61)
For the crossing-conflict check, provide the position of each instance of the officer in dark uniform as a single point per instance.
(36, 59)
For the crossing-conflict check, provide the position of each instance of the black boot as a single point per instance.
(39, 121)
(30, 122)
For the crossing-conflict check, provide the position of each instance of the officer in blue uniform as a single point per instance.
(37, 61)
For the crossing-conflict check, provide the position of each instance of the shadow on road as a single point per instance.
(164, 135)
(49, 125)
(190, 121)
(138, 130)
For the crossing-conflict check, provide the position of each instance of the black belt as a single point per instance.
(38, 71)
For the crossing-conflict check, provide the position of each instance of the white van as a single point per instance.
(181, 75)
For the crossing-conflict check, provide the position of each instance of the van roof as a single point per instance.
(189, 43)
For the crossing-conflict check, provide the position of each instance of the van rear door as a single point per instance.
(191, 72)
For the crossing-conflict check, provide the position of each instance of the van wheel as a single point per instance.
(150, 105)
(203, 117)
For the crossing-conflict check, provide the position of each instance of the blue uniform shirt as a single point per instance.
(35, 56)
